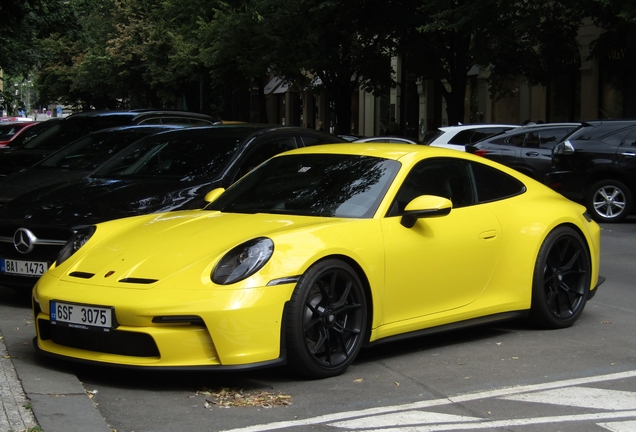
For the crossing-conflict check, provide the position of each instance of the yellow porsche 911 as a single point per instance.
(316, 253)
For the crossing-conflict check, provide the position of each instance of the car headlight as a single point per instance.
(243, 261)
(74, 243)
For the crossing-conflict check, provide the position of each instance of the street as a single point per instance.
(502, 377)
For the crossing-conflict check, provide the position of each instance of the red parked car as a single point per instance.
(11, 130)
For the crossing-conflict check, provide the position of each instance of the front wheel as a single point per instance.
(326, 320)
(561, 282)
(609, 201)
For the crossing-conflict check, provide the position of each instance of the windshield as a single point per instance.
(88, 153)
(187, 156)
(33, 131)
(329, 185)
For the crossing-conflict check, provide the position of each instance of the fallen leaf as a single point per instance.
(397, 383)
(358, 380)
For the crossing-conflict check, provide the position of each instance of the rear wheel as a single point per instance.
(561, 282)
(326, 320)
(609, 201)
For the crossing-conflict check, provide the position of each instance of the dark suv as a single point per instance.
(75, 126)
(528, 149)
(596, 165)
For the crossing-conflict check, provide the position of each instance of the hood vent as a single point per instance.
(143, 281)
(82, 275)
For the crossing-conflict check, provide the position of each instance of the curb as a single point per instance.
(16, 413)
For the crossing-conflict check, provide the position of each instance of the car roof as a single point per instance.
(383, 150)
(139, 114)
(475, 126)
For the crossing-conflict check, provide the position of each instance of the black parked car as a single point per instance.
(528, 149)
(596, 165)
(63, 132)
(78, 159)
(167, 171)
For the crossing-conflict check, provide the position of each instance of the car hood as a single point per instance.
(92, 200)
(148, 251)
(30, 179)
(14, 159)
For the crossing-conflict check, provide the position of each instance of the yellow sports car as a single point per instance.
(315, 254)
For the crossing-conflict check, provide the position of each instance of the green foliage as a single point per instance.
(135, 53)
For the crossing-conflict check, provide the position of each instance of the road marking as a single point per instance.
(628, 426)
(493, 424)
(583, 397)
(499, 393)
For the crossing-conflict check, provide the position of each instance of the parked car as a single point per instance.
(78, 159)
(528, 149)
(11, 130)
(387, 139)
(315, 254)
(456, 137)
(29, 133)
(596, 165)
(75, 126)
(162, 172)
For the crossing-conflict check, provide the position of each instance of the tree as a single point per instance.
(443, 40)
(334, 44)
(615, 48)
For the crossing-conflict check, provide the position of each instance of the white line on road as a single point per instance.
(330, 418)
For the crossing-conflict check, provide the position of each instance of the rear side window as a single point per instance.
(494, 185)
(615, 139)
(610, 133)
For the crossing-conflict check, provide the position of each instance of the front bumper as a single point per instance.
(207, 328)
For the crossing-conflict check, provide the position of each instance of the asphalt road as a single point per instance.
(506, 377)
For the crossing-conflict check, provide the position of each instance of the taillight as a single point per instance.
(563, 148)
(481, 152)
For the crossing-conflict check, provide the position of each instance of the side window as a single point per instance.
(532, 140)
(492, 184)
(482, 133)
(448, 178)
(200, 122)
(462, 137)
(265, 151)
(616, 138)
(549, 138)
(309, 140)
(151, 121)
(517, 139)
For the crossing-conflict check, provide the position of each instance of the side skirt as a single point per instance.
(490, 319)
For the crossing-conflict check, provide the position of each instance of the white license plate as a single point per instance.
(24, 268)
(81, 316)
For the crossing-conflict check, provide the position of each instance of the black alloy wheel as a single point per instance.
(326, 320)
(609, 201)
(561, 282)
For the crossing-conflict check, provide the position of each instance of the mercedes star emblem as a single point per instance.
(24, 240)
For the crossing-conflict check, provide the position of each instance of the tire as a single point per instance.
(326, 320)
(561, 280)
(609, 201)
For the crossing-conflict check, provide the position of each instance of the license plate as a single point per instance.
(23, 268)
(81, 316)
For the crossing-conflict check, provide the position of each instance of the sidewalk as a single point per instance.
(16, 413)
(57, 400)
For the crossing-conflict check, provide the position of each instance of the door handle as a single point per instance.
(488, 235)
(533, 154)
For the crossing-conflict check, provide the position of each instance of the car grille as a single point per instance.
(112, 342)
(41, 252)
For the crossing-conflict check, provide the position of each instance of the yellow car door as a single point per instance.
(442, 262)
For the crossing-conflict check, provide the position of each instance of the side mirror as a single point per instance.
(425, 206)
(213, 194)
